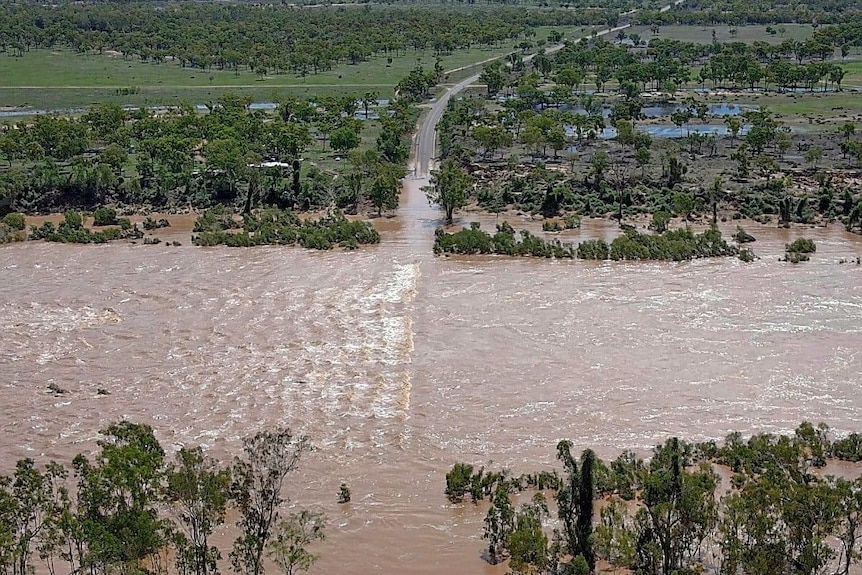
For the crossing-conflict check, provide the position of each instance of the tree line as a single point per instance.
(268, 39)
(130, 509)
(741, 13)
(671, 514)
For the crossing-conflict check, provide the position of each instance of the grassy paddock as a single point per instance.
(63, 98)
(722, 33)
(56, 79)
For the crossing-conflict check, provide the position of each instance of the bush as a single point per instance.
(73, 220)
(151, 224)
(105, 217)
(572, 222)
(14, 221)
(504, 242)
(747, 256)
(743, 237)
(594, 250)
(849, 448)
(796, 257)
(660, 221)
(458, 481)
(67, 232)
(801, 246)
(675, 245)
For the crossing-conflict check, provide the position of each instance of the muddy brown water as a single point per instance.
(398, 364)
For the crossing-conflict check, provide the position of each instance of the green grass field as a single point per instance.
(722, 33)
(62, 79)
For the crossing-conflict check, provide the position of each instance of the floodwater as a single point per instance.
(399, 364)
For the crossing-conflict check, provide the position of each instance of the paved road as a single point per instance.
(426, 135)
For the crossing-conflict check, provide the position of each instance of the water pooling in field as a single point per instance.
(399, 364)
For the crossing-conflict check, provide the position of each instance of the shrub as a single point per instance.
(747, 255)
(14, 221)
(743, 237)
(801, 246)
(458, 481)
(849, 448)
(594, 250)
(73, 220)
(151, 224)
(105, 217)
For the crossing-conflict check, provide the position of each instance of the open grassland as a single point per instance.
(57, 79)
(747, 34)
(61, 99)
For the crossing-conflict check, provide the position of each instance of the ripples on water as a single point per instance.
(399, 364)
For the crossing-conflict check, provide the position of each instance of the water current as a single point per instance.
(398, 364)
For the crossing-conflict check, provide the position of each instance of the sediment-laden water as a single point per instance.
(398, 364)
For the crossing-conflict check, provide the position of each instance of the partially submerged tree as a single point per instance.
(258, 478)
(450, 186)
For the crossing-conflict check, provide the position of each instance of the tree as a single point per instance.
(117, 498)
(679, 511)
(493, 78)
(200, 490)
(344, 139)
(557, 139)
(384, 191)
(575, 503)
(599, 164)
(585, 507)
(492, 138)
(368, 100)
(226, 155)
(683, 205)
(614, 537)
(292, 537)
(660, 221)
(449, 188)
(643, 157)
(849, 495)
(814, 155)
(734, 124)
(26, 514)
(527, 543)
(499, 523)
(258, 478)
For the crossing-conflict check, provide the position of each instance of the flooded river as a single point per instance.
(398, 364)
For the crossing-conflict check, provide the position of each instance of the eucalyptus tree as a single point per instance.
(258, 479)
(198, 490)
(450, 187)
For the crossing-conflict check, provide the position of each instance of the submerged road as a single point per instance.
(426, 135)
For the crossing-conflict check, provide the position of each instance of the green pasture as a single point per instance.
(62, 78)
(746, 34)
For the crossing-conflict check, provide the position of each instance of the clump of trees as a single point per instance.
(281, 227)
(131, 509)
(180, 158)
(671, 245)
(670, 514)
(504, 242)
